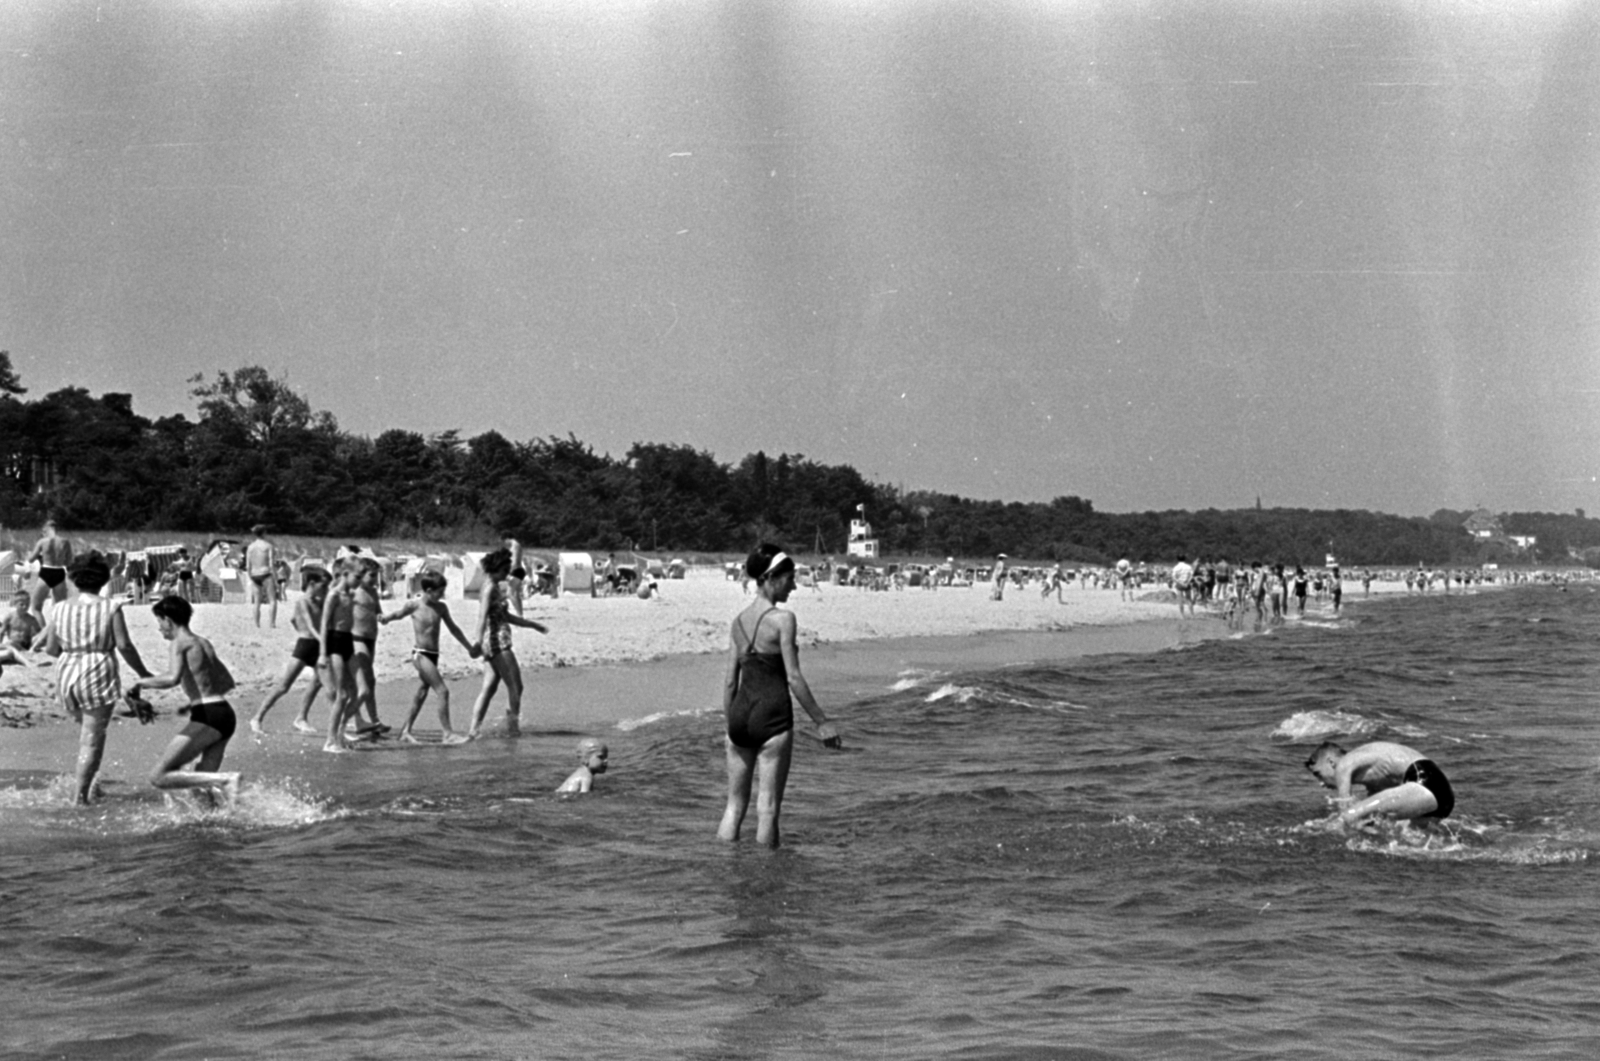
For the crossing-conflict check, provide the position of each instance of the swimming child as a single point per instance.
(193, 664)
(1400, 781)
(495, 621)
(763, 670)
(592, 756)
(428, 612)
(307, 652)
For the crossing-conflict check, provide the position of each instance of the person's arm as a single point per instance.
(1349, 763)
(730, 684)
(401, 612)
(51, 639)
(797, 681)
(450, 624)
(176, 662)
(484, 607)
(125, 646)
(329, 606)
(516, 620)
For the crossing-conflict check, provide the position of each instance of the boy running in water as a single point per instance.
(428, 612)
(193, 663)
(307, 652)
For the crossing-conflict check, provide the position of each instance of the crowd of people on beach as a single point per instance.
(337, 617)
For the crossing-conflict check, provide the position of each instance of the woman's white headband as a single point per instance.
(777, 559)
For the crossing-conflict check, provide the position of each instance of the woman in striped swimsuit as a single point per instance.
(83, 633)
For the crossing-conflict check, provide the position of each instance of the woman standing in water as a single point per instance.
(763, 669)
(494, 639)
(83, 634)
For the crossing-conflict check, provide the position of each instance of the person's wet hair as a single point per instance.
(311, 575)
(767, 561)
(175, 609)
(89, 572)
(1326, 748)
(432, 580)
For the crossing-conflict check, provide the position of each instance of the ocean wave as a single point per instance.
(1319, 725)
(629, 724)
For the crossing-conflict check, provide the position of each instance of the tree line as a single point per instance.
(256, 452)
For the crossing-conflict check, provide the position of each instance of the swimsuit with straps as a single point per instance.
(499, 632)
(760, 708)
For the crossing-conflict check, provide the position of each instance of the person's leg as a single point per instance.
(774, 767)
(366, 684)
(511, 675)
(291, 671)
(1410, 800)
(197, 740)
(91, 747)
(254, 589)
(741, 769)
(418, 698)
(319, 681)
(271, 586)
(480, 706)
(339, 693)
(429, 672)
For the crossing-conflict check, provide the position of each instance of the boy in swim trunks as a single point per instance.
(258, 565)
(365, 609)
(1400, 782)
(428, 612)
(337, 649)
(193, 664)
(592, 756)
(307, 652)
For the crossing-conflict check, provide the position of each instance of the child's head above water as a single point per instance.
(593, 753)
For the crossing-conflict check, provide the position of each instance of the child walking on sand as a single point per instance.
(337, 648)
(307, 652)
(495, 621)
(428, 612)
(364, 610)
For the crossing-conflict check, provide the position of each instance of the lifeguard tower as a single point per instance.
(862, 543)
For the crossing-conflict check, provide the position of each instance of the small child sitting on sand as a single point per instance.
(20, 629)
(592, 755)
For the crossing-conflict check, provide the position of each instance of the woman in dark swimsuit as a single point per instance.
(763, 669)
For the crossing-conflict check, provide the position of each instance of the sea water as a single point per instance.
(1113, 857)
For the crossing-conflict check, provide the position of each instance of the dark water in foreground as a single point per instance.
(1104, 859)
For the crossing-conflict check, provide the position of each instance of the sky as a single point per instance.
(1156, 255)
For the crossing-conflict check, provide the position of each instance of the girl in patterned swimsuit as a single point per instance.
(763, 669)
(495, 621)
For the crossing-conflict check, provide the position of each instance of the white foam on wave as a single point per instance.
(963, 694)
(629, 724)
(265, 804)
(1317, 725)
(910, 679)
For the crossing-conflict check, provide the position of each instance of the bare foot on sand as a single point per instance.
(305, 726)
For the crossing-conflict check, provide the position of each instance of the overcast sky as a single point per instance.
(1159, 255)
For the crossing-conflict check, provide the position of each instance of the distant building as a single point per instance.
(1524, 541)
(1484, 526)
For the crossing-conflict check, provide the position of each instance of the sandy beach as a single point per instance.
(689, 618)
